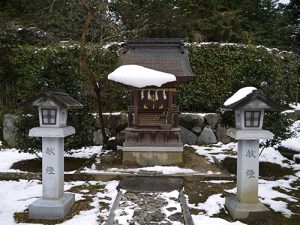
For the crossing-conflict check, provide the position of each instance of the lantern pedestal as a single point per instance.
(246, 200)
(240, 210)
(54, 204)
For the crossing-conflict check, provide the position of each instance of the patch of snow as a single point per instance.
(159, 169)
(197, 114)
(285, 2)
(172, 200)
(203, 219)
(108, 45)
(139, 76)
(274, 198)
(295, 105)
(270, 50)
(268, 195)
(212, 205)
(85, 152)
(293, 143)
(218, 150)
(289, 111)
(273, 156)
(109, 113)
(16, 196)
(218, 181)
(122, 216)
(9, 156)
(240, 94)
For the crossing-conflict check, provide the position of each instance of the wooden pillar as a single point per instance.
(170, 101)
(136, 105)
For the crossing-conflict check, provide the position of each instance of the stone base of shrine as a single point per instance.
(51, 209)
(240, 210)
(153, 156)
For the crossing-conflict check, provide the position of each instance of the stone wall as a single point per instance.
(9, 135)
(202, 129)
(197, 128)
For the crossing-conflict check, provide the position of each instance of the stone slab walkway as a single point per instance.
(146, 201)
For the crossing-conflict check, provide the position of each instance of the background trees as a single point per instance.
(39, 46)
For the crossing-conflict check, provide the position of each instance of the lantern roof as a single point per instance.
(162, 54)
(249, 95)
(58, 96)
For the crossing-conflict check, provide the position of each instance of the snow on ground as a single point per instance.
(155, 169)
(85, 152)
(171, 199)
(9, 156)
(272, 155)
(203, 219)
(219, 150)
(269, 193)
(293, 143)
(284, 2)
(139, 76)
(240, 94)
(212, 205)
(15, 196)
(295, 105)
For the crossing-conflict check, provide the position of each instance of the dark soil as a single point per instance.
(35, 165)
(196, 162)
(199, 191)
(266, 169)
(190, 160)
(288, 153)
(113, 159)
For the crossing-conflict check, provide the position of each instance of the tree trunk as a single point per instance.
(86, 69)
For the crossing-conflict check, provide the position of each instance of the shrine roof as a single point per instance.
(162, 54)
(56, 95)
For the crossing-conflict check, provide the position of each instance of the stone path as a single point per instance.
(147, 201)
(148, 208)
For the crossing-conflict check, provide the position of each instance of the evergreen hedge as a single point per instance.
(220, 70)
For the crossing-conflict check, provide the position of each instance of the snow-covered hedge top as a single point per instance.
(139, 76)
(240, 94)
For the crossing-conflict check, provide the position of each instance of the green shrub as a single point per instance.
(220, 70)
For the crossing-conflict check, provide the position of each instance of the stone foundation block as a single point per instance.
(240, 210)
(51, 209)
(152, 158)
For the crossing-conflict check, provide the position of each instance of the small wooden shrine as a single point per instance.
(153, 136)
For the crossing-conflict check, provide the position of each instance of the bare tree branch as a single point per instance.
(51, 6)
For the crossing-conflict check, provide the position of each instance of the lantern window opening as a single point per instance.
(49, 116)
(252, 118)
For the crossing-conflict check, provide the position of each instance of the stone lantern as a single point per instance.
(249, 105)
(52, 105)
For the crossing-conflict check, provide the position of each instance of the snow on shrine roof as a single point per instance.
(56, 95)
(162, 54)
(246, 95)
(139, 76)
